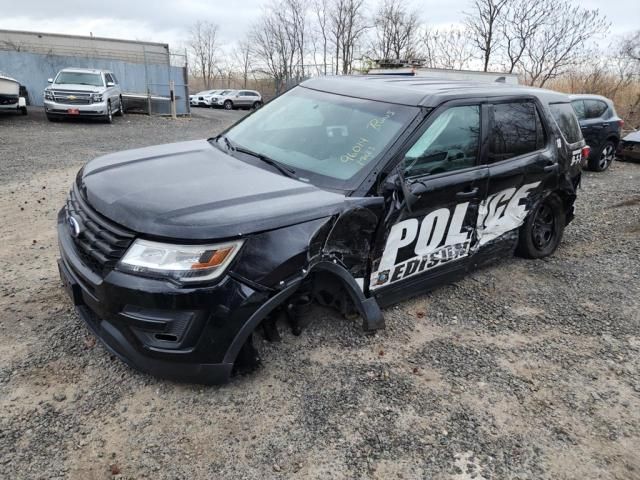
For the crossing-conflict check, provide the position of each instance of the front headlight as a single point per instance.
(48, 95)
(185, 263)
(96, 97)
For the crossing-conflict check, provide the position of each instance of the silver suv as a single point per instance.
(83, 92)
(230, 99)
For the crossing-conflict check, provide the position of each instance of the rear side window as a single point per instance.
(594, 108)
(516, 129)
(567, 122)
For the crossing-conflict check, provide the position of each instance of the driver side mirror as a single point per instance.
(49, 80)
(391, 183)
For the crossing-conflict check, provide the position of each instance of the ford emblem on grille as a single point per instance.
(74, 227)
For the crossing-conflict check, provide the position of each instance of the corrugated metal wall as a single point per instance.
(32, 58)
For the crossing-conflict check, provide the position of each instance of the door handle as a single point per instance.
(551, 168)
(470, 194)
(605, 124)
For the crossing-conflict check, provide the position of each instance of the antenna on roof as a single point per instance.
(501, 80)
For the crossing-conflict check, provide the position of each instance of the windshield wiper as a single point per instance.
(289, 172)
(227, 142)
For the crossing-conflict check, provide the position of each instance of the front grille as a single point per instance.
(72, 98)
(101, 243)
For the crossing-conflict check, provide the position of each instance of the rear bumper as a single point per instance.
(187, 334)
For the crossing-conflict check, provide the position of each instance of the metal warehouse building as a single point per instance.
(144, 69)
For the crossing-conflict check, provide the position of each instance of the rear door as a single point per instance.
(432, 234)
(522, 163)
(594, 127)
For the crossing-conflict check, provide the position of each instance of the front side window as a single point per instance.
(450, 143)
(80, 78)
(567, 122)
(516, 129)
(323, 136)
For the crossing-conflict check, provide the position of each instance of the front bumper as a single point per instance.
(188, 334)
(84, 110)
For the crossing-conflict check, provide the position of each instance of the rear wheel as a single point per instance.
(542, 231)
(228, 105)
(23, 110)
(604, 158)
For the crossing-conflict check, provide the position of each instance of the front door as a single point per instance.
(432, 234)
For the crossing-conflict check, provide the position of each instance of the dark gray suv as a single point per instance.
(600, 125)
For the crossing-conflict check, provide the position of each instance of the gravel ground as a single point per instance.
(524, 370)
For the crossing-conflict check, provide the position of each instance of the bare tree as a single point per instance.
(395, 31)
(482, 23)
(449, 48)
(560, 43)
(631, 46)
(518, 25)
(321, 8)
(346, 26)
(203, 46)
(279, 41)
(242, 55)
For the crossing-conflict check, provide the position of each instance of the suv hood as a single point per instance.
(194, 191)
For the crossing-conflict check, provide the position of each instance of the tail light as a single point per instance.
(586, 151)
(621, 123)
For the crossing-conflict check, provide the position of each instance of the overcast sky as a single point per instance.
(168, 21)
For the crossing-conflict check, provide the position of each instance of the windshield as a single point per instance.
(80, 78)
(323, 134)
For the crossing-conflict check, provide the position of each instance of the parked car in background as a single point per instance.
(352, 192)
(203, 98)
(230, 99)
(629, 147)
(10, 98)
(600, 127)
(83, 92)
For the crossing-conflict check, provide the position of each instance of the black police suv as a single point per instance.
(600, 127)
(353, 192)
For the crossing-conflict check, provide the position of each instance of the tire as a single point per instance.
(228, 105)
(542, 231)
(120, 112)
(23, 110)
(52, 118)
(108, 118)
(604, 158)
(256, 105)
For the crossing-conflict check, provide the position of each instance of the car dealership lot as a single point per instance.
(527, 369)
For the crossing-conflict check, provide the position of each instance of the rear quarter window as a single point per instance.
(595, 108)
(567, 122)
